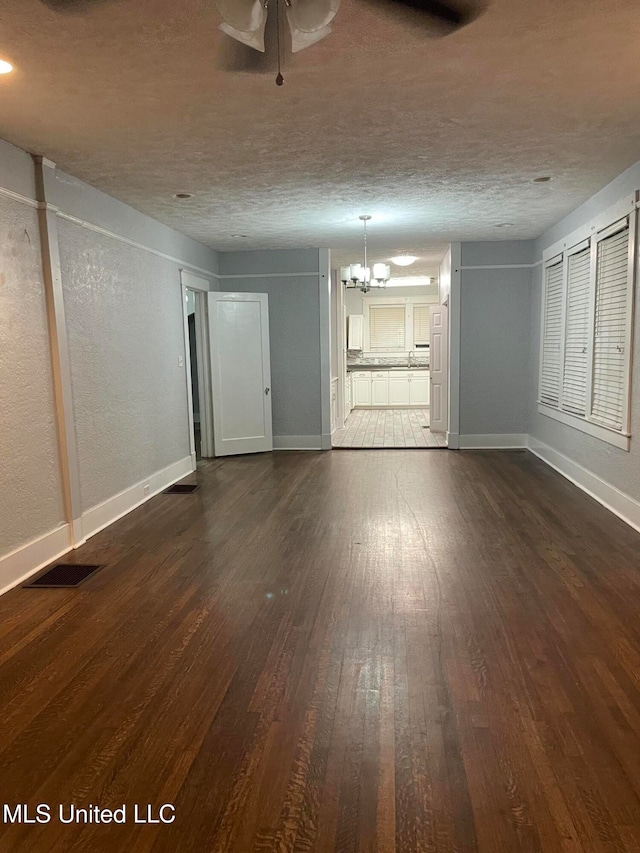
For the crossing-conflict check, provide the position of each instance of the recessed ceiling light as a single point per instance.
(183, 196)
(243, 236)
(404, 260)
(504, 224)
(5, 67)
(543, 180)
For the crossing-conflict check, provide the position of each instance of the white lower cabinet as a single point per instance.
(390, 388)
(399, 385)
(361, 389)
(348, 395)
(379, 389)
(419, 388)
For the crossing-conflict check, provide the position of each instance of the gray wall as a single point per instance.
(615, 466)
(495, 337)
(123, 308)
(30, 492)
(124, 332)
(294, 327)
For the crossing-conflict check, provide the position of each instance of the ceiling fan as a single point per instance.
(250, 23)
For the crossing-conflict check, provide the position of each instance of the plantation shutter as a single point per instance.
(552, 335)
(576, 357)
(386, 327)
(421, 332)
(610, 341)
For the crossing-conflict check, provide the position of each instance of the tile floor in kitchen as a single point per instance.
(388, 428)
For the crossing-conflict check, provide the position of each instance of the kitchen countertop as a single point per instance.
(352, 367)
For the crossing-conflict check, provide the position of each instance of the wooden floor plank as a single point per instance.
(358, 651)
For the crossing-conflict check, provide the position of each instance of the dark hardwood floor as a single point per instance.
(357, 651)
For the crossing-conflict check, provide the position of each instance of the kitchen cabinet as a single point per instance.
(419, 388)
(399, 384)
(380, 388)
(348, 395)
(361, 388)
(355, 331)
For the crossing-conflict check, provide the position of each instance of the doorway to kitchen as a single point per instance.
(393, 363)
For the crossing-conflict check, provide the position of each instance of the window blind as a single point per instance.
(552, 335)
(610, 339)
(421, 333)
(576, 351)
(386, 327)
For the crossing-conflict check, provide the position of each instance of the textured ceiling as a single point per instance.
(436, 138)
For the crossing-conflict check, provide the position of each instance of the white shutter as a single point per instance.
(386, 327)
(576, 348)
(609, 382)
(421, 332)
(552, 335)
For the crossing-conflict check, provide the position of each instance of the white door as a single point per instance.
(240, 372)
(439, 349)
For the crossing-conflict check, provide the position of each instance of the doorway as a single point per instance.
(193, 363)
(200, 414)
(391, 361)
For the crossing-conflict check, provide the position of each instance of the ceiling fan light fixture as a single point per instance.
(404, 260)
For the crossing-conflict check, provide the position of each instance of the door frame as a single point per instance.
(200, 286)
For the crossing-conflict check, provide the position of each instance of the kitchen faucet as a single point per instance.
(409, 358)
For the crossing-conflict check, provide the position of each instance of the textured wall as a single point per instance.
(125, 332)
(494, 351)
(294, 330)
(616, 466)
(30, 495)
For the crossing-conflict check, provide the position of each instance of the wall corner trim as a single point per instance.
(25, 561)
(617, 502)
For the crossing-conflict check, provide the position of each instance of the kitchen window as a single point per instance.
(586, 341)
(387, 327)
(396, 325)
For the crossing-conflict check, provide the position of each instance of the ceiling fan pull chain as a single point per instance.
(279, 78)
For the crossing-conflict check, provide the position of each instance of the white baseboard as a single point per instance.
(494, 442)
(619, 503)
(299, 442)
(25, 561)
(101, 516)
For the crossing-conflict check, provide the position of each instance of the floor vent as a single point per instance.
(62, 575)
(180, 489)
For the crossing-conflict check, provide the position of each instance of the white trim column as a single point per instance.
(324, 297)
(60, 364)
(455, 321)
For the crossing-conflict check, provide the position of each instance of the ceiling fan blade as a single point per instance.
(449, 15)
(240, 55)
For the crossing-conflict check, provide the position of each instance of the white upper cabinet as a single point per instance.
(355, 331)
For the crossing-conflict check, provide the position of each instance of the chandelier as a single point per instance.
(361, 275)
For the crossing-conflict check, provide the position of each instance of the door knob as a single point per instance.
(266, 390)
